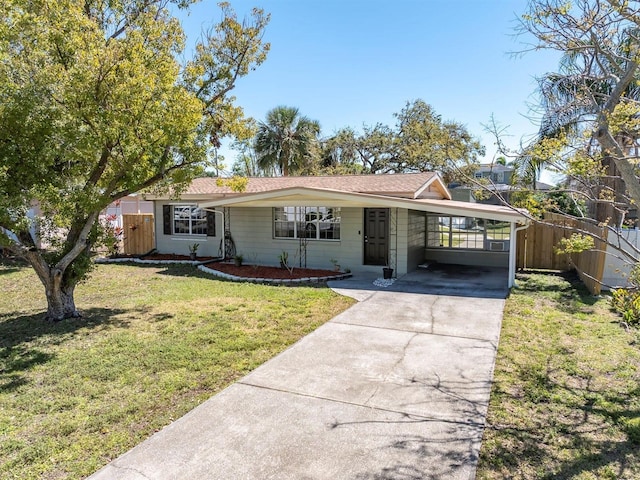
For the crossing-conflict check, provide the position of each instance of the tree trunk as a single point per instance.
(60, 303)
(59, 292)
(61, 278)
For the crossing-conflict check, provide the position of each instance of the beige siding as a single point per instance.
(416, 239)
(407, 240)
(252, 232)
(398, 241)
(179, 244)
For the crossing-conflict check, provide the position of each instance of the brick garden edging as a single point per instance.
(272, 281)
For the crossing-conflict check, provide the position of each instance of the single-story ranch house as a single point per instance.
(361, 222)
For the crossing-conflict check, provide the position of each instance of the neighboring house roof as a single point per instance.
(493, 167)
(543, 186)
(503, 187)
(407, 185)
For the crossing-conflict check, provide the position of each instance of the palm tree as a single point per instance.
(286, 140)
(573, 100)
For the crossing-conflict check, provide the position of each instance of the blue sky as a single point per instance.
(353, 62)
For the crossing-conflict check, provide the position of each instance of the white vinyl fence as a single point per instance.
(616, 269)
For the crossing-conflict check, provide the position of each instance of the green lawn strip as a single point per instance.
(566, 396)
(154, 343)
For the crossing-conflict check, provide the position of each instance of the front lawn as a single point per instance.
(154, 343)
(566, 398)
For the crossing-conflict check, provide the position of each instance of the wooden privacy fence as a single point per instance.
(138, 233)
(535, 249)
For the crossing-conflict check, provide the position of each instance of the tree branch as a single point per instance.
(80, 243)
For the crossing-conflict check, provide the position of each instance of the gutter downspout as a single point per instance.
(213, 210)
(512, 252)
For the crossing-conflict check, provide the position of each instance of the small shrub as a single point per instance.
(627, 304)
(620, 299)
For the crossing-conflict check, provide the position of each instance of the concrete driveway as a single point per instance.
(396, 387)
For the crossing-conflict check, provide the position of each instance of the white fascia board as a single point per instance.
(303, 196)
(468, 209)
(298, 195)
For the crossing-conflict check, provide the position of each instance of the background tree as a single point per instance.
(420, 141)
(340, 154)
(95, 104)
(246, 162)
(590, 115)
(287, 140)
(590, 106)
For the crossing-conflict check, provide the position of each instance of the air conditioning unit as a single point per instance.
(498, 246)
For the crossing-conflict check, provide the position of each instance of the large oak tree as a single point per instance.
(420, 141)
(100, 99)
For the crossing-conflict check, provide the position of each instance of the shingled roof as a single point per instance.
(407, 185)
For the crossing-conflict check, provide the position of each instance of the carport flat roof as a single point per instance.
(305, 196)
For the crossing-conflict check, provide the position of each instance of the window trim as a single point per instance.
(168, 221)
(300, 212)
(461, 236)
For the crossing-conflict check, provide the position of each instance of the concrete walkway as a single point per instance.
(396, 387)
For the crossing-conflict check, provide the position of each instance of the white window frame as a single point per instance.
(451, 232)
(190, 220)
(307, 222)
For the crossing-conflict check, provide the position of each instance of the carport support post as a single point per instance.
(512, 255)
(513, 242)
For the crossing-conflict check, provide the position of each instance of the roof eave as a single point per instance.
(304, 196)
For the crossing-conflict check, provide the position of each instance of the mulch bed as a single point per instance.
(259, 271)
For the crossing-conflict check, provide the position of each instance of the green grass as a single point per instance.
(566, 398)
(153, 343)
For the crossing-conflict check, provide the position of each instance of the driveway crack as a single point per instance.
(393, 368)
(433, 316)
(130, 469)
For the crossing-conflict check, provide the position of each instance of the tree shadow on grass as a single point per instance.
(570, 292)
(171, 269)
(601, 426)
(11, 265)
(24, 339)
(7, 271)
